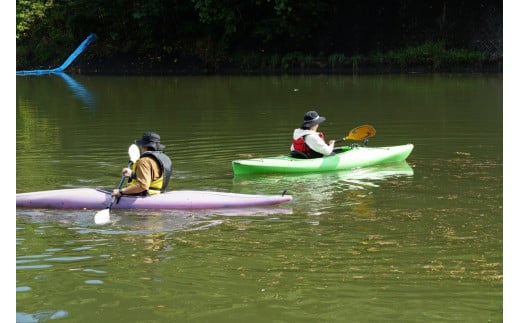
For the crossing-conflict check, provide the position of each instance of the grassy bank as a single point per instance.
(428, 57)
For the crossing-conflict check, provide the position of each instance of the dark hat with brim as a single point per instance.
(312, 118)
(150, 139)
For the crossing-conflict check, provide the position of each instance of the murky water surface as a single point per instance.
(417, 241)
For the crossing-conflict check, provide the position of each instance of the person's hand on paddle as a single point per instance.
(116, 193)
(126, 172)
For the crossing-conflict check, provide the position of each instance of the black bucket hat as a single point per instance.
(311, 118)
(150, 139)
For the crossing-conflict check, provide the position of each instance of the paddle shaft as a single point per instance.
(119, 185)
(348, 138)
(103, 216)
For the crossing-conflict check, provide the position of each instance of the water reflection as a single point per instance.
(33, 93)
(365, 175)
(328, 189)
(41, 316)
(147, 221)
(79, 90)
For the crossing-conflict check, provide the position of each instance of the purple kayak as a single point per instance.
(97, 199)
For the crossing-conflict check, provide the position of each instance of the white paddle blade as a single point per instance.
(102, 217)
(134, 152)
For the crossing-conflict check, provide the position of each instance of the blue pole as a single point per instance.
(92, 37)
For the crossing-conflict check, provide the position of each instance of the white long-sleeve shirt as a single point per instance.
(313, 140)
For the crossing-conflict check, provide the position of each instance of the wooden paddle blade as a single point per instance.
(361, 132)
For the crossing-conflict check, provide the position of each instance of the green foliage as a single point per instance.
(356, 59)
(337, 59)
(281, 7)
(461, 56)
(294, 59)
(378, 57)
(28, 13)
(430, 54)
(218, 14)
(259, 34)
(274, 60)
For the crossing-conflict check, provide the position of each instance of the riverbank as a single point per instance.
(128, 66)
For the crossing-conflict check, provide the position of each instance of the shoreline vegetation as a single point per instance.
(207, 37)
(430, 57)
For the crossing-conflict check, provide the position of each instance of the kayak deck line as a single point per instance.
(97, 199)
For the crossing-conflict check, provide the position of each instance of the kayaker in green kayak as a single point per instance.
(151, 173)
(307, 141)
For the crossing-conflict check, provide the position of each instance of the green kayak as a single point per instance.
(346, 158)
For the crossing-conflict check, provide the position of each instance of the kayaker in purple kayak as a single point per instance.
(307, 141)
(151, 173)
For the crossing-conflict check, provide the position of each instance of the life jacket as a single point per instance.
(301, 146)
(159, 185)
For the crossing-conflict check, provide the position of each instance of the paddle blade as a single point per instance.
(361, 132)
(102, 216)
(133, 152)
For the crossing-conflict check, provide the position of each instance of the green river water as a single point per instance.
(417, 241)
